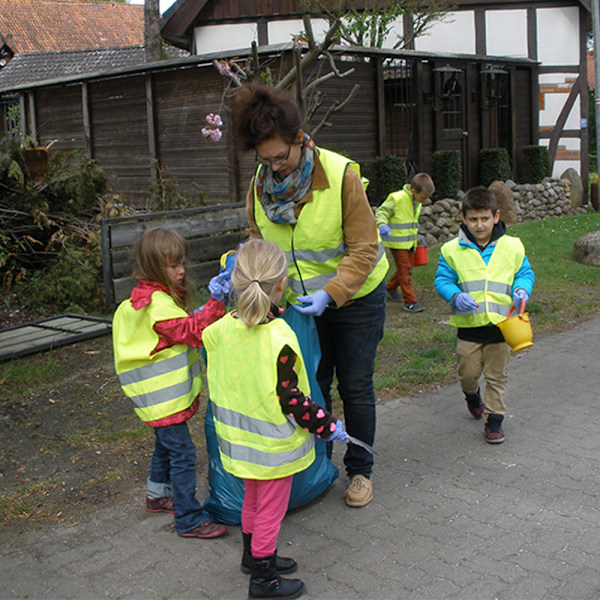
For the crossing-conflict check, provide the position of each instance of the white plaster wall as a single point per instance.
(282, 32)
(558, 35)
(506, 32)
(453, 35)
(214, 38)
(553, 104)
(560, 166)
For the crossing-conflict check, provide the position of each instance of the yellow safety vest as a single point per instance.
(166, 382)
(490, 285)
(405, 222)
(315, 245)
(256, 440)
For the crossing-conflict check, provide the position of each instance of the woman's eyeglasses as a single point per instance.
(278, 160)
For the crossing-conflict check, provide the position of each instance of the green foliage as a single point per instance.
(535, 164)
(386, 174)
(49, 234)
(446, 173)
(494, 165)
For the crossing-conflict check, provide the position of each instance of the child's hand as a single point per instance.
(219, 286)
(384, 231)
(339, 433)
(520, 298)
(464, 301)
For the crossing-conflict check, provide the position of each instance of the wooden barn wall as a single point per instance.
(426, 139)
(354, 130)
(183, 98)
(474, 123)
(59, 116)
(120, 134)
(524, 103)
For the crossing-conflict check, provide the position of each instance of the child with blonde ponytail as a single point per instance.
(262, 411)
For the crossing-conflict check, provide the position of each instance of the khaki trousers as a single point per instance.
(492, 361)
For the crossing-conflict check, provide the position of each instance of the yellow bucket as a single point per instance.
(517, 330)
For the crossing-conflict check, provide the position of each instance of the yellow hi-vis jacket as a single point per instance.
(490, 285)
(315, 245)
(162, 384)
(404, 224)
(256, 440)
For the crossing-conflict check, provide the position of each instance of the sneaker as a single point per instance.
(208, 529)
(359, 492)
(414, 307)
(394, 295)
(474, 404)
(493, 429)
(160, 505)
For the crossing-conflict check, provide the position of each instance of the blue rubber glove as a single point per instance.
(384, 231)
(464, 301)
(520, 298)
(314, 304)
(219, 286)
(339, 433)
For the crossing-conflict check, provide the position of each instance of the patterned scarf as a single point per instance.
(279, 197)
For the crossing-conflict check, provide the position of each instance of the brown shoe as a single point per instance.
(474, 404)
(208, 529)
(160, 505)
(359, 492)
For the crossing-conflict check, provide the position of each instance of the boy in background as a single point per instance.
(398, 222)
(481, 274)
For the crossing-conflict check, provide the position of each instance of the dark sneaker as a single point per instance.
(394, 295)
(160, 505)
(474, 404)
(414, 307)
(493, 429)
(208, 529)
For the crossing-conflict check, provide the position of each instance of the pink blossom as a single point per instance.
(215, 135)
(224, 68)
(214, 119)
(206, 131)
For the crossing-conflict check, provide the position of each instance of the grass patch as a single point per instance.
(29, 372)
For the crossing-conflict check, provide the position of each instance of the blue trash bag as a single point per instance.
(226, 492)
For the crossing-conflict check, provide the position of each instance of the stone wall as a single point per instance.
(440, 220)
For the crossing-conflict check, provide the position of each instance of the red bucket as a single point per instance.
(421, 254)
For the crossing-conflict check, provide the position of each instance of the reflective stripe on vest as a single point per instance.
(162, 384)
(256, 440)
(404, 224)
(490, 285)
(315, 245)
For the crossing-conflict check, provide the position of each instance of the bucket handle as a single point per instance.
(510, 312)
(421, 241)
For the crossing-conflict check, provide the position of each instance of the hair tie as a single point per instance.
(255, 280)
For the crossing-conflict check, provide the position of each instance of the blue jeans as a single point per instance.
(174, 462)
(349, 337)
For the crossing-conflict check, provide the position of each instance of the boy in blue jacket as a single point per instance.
(481, 274)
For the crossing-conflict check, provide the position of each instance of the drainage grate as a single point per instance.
(46, 334)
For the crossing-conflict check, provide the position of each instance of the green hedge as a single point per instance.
(535, 164)
(386, 174)
(446, 173)
(494, 165)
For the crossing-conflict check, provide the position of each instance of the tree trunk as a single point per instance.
(152, 41)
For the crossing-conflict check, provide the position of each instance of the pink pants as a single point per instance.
(265, 504)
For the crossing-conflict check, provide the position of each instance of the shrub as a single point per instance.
(494, 165)
(535, 164)
(386, 174)
(446, 173)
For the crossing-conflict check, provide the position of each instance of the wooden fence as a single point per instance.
(210, 231)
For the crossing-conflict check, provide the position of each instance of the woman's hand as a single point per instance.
(313, 304)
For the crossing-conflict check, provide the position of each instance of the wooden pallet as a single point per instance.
(46, 334)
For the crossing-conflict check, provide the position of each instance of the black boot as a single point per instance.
(282, 564)
(474, 404)
(265, 582)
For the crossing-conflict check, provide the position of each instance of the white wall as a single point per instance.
(506, 32)
(453, 35)
(558, 35)
(214, 38)
(282, 32)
